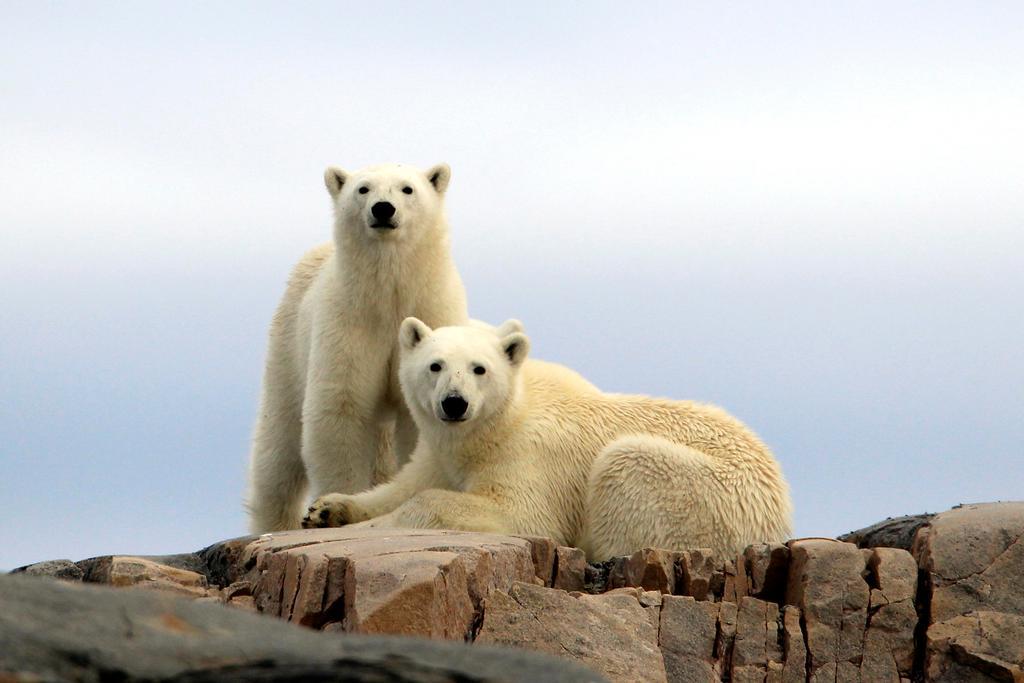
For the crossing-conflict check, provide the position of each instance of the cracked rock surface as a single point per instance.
(920, 598)
(53, 631)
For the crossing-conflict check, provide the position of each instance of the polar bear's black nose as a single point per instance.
(454, 407)
(383, 211)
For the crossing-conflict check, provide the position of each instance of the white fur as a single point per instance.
(331, 403)
(544, 452)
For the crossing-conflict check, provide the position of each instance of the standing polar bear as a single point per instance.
(331, 404)
(526, 447)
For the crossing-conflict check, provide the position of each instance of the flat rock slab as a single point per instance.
(52, 630)
(405, 582)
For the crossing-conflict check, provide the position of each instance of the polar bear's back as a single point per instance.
(289, 343)
(594, 419)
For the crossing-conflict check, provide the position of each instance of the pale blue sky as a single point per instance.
(809, 213)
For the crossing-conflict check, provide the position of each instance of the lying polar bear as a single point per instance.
(514, 446)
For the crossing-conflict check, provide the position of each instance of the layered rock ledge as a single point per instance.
(936, 598)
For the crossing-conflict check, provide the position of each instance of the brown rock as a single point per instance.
(650, 569)
(570, 569)
(697, 570)
(767, 567)
(826, 583)
(413, 582)
(794, 668)
(543, 551)
(757, 638)
(244, 602)
(726, 636)
(978, 646)
(892, 616)
(736, 584)
(975, 559)
(607, 633)
(138, 572)
(687, 639)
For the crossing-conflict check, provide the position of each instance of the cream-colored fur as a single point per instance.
(542, 451)
(331, 404)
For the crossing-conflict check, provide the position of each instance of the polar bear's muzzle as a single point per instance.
(383, 216)
(454, 408)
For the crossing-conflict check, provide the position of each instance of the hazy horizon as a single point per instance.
(809, 214)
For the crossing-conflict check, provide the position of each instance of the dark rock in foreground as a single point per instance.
(54, 631)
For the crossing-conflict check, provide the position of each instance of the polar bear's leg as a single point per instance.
(340, 448)
(647, 492)
(442, 509)
(277, 477)
(405, 435)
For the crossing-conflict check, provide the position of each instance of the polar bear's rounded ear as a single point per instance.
(508, 327)
(439, 176)
(412, 332)
(516, 346)
(334, 179)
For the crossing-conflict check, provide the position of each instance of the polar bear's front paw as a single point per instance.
(333, 509)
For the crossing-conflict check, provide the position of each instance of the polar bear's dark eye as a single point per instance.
(479, 370)
(407, 189)
(435, 367)
(364, 189)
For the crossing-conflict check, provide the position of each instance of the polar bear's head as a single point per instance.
(392, 202)
(460, 377)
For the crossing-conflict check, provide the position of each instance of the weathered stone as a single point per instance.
(570, 569)
(826, 583)
(736, 584)
(697, 569)
(687, 639)
(767, 567)
(651, 598)
(55, 569)
(978, 646)
(244, 602)
(794, 668)
(412, 582)
(237, 589)
(544, 553)
(892, 617)
(223, 561)
(138, 572)
(757, 638)
(650, 569)
(895, 532)
(609, 634)
(975, 559)
(726, 636)
(64, 631)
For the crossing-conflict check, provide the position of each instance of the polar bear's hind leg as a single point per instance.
(648, 492)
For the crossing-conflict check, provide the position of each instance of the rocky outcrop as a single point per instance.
(945, 604)
(69, 632)
(972, 562)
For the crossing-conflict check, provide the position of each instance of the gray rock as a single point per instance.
(895, 532)
(57, 631)
(55, 569)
